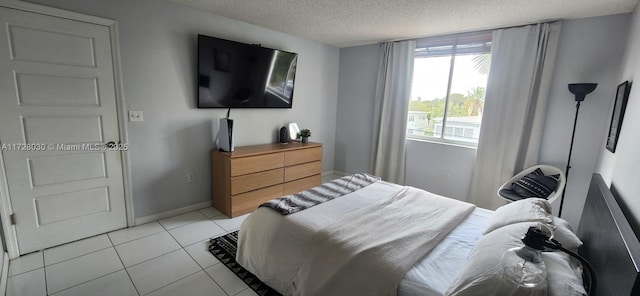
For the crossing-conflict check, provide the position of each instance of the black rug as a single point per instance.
(225, 248)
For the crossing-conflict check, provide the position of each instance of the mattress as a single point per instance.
(273, 246)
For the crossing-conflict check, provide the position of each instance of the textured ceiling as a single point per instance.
(345, 23)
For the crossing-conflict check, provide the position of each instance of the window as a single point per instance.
(448, 91)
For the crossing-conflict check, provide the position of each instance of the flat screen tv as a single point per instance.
(238, 75)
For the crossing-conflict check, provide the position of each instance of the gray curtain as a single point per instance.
(393, 91)
(522, 64)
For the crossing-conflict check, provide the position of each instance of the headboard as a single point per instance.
(610, 245)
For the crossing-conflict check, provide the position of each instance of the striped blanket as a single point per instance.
(303, 200)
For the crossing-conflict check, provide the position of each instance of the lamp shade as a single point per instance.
(580, 90)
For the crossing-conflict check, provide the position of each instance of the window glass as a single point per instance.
(448, 89)
(466, 100)
(428, 94)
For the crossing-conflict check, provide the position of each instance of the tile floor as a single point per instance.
(167, 257)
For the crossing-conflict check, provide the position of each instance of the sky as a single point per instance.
(431, 75)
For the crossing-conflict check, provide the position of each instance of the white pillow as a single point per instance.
(563, 233)
(525, 210)
(562, 277)
(482, 273)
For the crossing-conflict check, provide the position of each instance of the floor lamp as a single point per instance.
(580, 90)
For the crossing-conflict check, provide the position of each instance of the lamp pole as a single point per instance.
(566, 173)
(580, 90)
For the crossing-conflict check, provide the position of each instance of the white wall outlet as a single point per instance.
(135, 116)
(191, 177)
(447, 175)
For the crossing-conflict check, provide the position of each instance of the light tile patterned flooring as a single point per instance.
(167, 257)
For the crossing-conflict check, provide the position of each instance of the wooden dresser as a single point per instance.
(250, 175)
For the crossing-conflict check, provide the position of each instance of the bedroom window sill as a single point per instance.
(443, 142)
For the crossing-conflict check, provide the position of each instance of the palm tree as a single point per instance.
(482, 63)
(474, 101)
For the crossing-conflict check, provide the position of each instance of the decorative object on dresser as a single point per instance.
(304, 135)
(580, 90)
(294, 130)
(283, 135)
(252, 175)
(225, 134)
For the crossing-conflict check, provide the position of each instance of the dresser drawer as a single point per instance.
(302, 156)
(249, 182)
(251, 175)
(248, 202)
(302, 184)
(303, 170)
(258, 163)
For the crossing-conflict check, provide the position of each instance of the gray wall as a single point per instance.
(621, 169)
(589, 51)
(356, 91)
(440, 168)
(158, 49)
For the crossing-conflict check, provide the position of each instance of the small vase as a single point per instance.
(305, 139)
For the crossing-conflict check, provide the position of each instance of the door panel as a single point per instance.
(62, 48)
(48, 90)
(54, 169)
(64, 129)
(57, 89)
(54, 208)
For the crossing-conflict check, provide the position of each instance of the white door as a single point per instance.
(57, 102)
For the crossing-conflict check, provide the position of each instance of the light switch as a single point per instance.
(135, 116)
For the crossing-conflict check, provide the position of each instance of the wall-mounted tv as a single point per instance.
(238, 75)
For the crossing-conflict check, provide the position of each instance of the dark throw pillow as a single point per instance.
(536, 184)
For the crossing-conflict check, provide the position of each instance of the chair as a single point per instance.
(547, 170)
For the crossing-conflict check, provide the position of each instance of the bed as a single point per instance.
(274, 247)
(610, 244)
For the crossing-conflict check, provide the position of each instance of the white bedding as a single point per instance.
(273, 246)
(432, 275)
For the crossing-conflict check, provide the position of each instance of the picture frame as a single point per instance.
(619, 106)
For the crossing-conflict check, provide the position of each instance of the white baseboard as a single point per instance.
(5, 274)
(340, 173)
(171, 213)
(334, 172)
